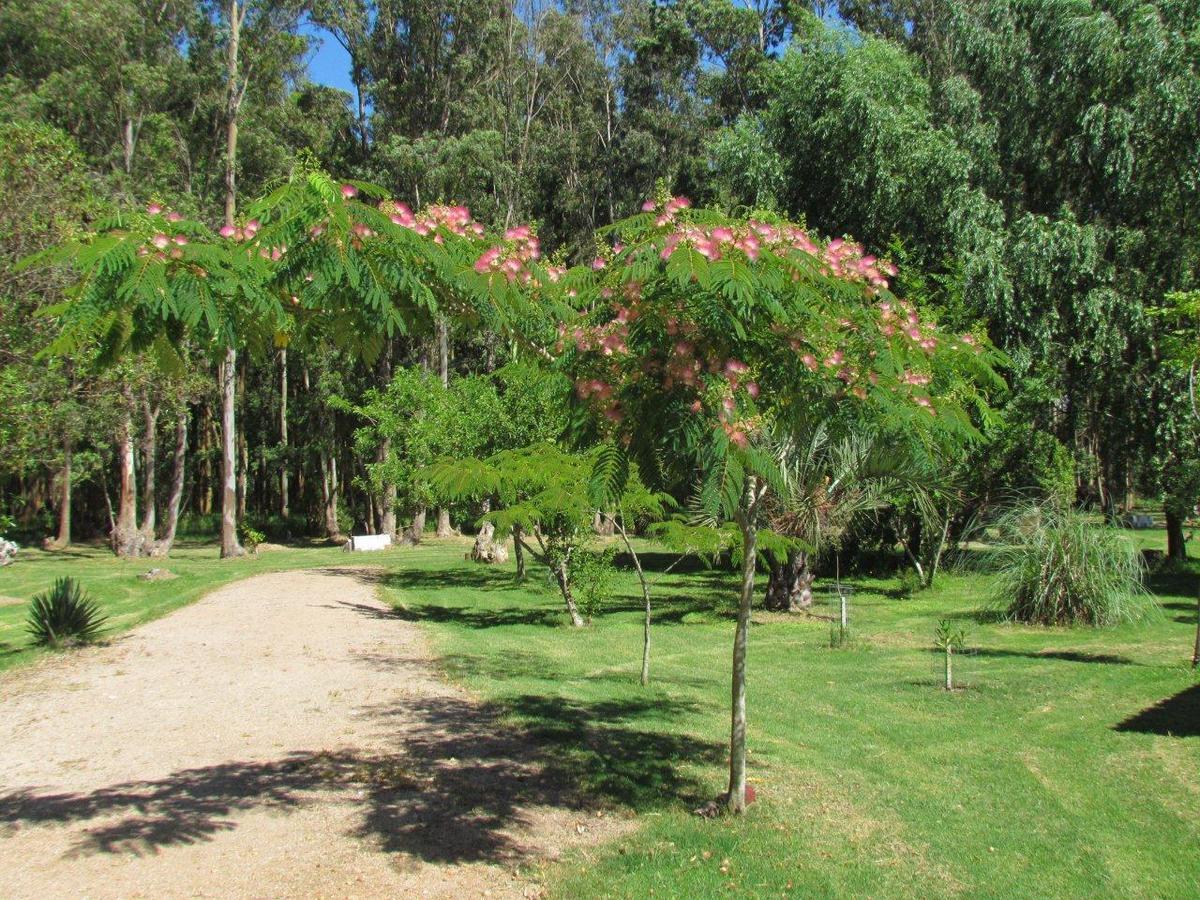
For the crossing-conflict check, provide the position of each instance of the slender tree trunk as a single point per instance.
(150, 413)
(519, 552)
(204, 490)
(178, 472)
(329, 495)
(1176, 541)
(562, 575)
(387, 498)
(444, 528)
(230, 545)
(229, 477)
(1196, 645)
(243, 448)
(126, 539)
(64, 497)
(949, 668)
(619, 527)
(283, 434)
(747, 521)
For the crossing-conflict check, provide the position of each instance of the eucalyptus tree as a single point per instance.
(704, 334)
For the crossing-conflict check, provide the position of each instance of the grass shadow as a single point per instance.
(1176, 716)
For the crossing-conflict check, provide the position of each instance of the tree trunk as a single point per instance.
(205, 490)
(243, 449)
(283, 434)
(150, 413)
(1196, 645)
(1176, 541)
(443, 523)
(487, 549)
(230, 545)
(789, 583)
(229, 477)
(387, 501)
(563, 576)
(329, 496)
(412, 534)
(126, 539)
(747, 521)
(64, 498)
(519, 552)
(163, 546)
(619, 527)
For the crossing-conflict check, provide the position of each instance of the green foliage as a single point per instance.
(593, 576)
(911, 584)
(950, 634)
(64, 615)
(1055, 567)
(249, 536)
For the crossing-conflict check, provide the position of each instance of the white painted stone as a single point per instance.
(370, 541)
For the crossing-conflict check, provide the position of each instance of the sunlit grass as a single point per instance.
(1051, 773)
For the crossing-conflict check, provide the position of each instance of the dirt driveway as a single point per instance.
(284, 736)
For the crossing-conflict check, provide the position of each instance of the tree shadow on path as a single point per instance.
(460, 786)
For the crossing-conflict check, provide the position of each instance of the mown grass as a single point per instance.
(114, 583)
(1045, 776)
(1068, 766)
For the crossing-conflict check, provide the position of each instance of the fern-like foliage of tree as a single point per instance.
(704, 335)
(540, 491)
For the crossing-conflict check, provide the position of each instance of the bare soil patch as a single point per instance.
(285, 736)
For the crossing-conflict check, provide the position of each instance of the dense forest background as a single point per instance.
(1032, 166)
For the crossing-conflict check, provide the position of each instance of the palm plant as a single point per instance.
(828, 481)
(64, 614)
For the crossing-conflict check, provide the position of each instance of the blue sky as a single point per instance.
(328, 62)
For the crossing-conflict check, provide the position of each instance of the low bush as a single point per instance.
(1056, 567)
(64, 615)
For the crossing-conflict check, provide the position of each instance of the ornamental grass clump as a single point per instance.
(1056, 567)
(63, 616)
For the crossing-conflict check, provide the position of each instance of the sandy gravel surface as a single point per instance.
(284, 736)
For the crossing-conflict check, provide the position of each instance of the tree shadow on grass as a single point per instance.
(1062, 655)
(461, 788)
(1173, 584)
(1176, 716)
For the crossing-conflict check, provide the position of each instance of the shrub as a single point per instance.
(249, 536)
(1055, 567)
(592, 575)
(63, 615)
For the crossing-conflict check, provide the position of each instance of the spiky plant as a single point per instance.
(64, 615)
(1056, 567)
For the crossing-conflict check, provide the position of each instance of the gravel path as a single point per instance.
(284, 736)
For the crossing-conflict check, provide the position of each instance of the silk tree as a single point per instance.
(704, 335)
(316, 258)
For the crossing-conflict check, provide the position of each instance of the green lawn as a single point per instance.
(1044, 777)
(872, 781)
(114, 583)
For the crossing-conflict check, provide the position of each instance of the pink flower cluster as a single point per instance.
(240, 233)
(841, 258)
(513, 257)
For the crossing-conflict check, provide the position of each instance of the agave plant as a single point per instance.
(64, 615)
